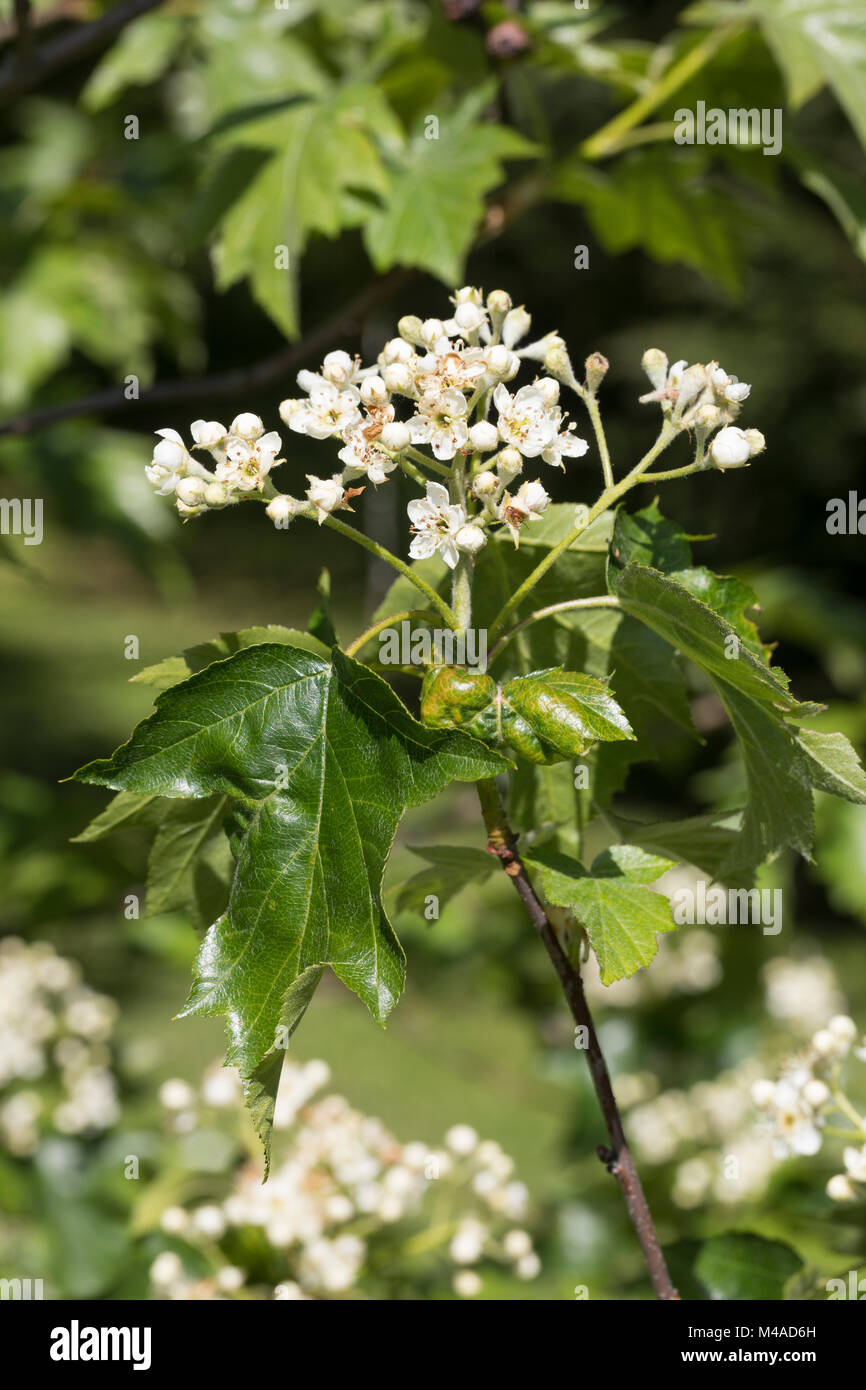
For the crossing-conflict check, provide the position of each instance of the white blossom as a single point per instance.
(441, 423)
(435, 522)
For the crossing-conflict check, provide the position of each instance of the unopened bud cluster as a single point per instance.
(705, 400)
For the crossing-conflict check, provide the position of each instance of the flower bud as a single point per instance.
(374, 391)
(191, 491)
(516, 326)
(398, 377)
(409, 327)
(337, 368)
(763, 1092)
(486, 484)
(498, 303)
(469, 317)
(396, 350)
(431, 332)
(169, 454)
(843, 1027)
(502, 363)
(207, 433)
(281, 510)
(558, 362)
(755, 440)
(596, 370)
(655, 364)
(484, 436)
(690, 385)
(707, 417)
(509, 464)
(395, 436)
(826, 1044)
(841, 1189)
(470, 539)
(549, 390)
(730, 448)
(816, 1093)
(247, 426)
(216, 494)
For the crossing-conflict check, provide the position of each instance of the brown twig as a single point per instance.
(343, 324)
(17, 77)
(617, 1158)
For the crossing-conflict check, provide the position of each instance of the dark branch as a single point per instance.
(344, 324)
(17, 76)
(617, 1159)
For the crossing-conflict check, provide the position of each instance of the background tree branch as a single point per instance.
(345, 324)
(23, 71)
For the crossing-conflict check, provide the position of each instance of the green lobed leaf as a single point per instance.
(190, 863)
(742, 1266)
(545, 716)
(450, 868)
(661, 204)
(319, 760)
(172, 669)
(435, 198)
(621, 916)
(323, 148)
(783, 764)
(708, 842)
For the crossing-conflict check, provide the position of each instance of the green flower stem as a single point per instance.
(411, 452)
(426, 614)
(610, 138)
(610, 495)
(591, 404)
(379, 550)
(858, 1135)
(617, 1158)
(410, 470)
(461, 585)
(698, 467)
(461, 593)
(600, 601)
(844, 1106)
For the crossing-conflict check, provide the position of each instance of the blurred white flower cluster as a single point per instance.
(807, 1093)
(55, 1071)
(705, 400)
(709, 1129)
(346, 1190)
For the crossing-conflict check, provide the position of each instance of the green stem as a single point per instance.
(437, 467)
(379, 550)
(844, 1106)
(610, 495)
(591, 404)
(600, 601)
(410, 470)
(676, 473)
(422, 613)
(608, 140)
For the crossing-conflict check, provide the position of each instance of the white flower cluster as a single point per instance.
(808, 1090)
(445, 372)
(54, 1054)
(243, 456)
(706, 400)
(346, 1184)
